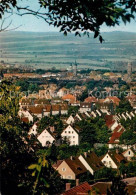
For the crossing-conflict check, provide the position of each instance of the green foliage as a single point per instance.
(93, 131)
(72, 110)
(124, 106)
(105, 174)
(25, 86)
(117, 188)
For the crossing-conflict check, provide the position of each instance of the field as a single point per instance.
(44, 50)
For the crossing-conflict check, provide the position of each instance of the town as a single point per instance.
(83, 120)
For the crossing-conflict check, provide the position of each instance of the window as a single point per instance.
(128, 152)
(107, 156)
(69, 177)
(65, 131)
(73, 142)
(73, 136)
(63, 169)
(72, 131)
(69, 132)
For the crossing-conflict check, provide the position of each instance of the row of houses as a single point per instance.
(74, 167)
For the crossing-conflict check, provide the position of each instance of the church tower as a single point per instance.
(129, 69)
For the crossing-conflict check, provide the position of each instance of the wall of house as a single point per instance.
(114, 126)
(65, 171)
(70, 120)
(45, 137)
(108, 162)
(33, 130)
(55, 112)
(83, 161)
(71, 135)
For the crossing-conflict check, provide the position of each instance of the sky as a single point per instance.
(33, 24)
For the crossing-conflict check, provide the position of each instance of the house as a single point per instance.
(105, 107)
(79, 189)
(33, 129)
(113, 99)
(70, 120)
(36, 111)
(113, 159)
(70, 168)
(24, 114)
(47, 110)
(85, 107)
(71, 135)
(100, 187)
(91, 162)
(90, 99)
(114, 139)
(64, 109)
(63, 91)
(46, 138)
(69, 98)
(55, 109)
(129, 154)
(111, 122)
(132, 100)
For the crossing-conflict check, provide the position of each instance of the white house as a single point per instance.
(45, 138)
(128, 154)
(70, 120)
(71, 135)
(85, 107)
(112, 160)
(26, 114)
(33, 129)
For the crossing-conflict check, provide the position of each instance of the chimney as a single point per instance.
(52, 129)
(88, 151)
(77, 182)
(117, 151)
(68, 186)
(71, 157)
(85, 154)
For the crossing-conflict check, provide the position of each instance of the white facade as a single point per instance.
(114, 125)
(128, 154)
(71, 135)
(108, 162)
(70, 120)
(33, 130)
(57, 112)
(87, 166)
(45, 138)
(64, 112)
(85, 109)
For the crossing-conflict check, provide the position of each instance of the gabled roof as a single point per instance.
(109, 120)
(116, 157)
(115, 137)
(81, 189)
(57, 164)
(90, 99)
(36, 110)
(69, 97)
(101, 187)
(25, 119)
(93, 161)
(76, 166)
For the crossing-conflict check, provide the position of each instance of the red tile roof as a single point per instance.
(25, 119)
(109, 120)
(83, 188)
(90, 99)
(115, 137)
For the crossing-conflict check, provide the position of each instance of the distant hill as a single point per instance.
(42, 50)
